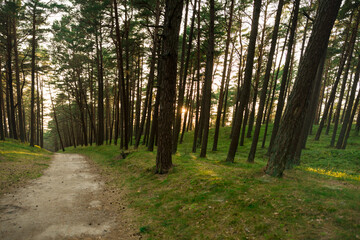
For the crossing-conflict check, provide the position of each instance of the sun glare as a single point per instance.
(183, 110)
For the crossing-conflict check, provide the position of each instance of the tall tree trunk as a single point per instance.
(257, 74)
(172, 20)
(38, 111)
(269, 107)
(18, 85)
(243, 130)
(188, 106)
(305, 33)
(357, 127)
(151, 76)
(208, 80)
(221, 97)
(197, 122)
(227, 87)
(2, 132)
(346, 52)
(309, 115)
(244, 98)
(100, 70)
(267, 76)
(9, 46)
(182, 84)
(341, 140)
(338, 108)
(155, 121)
(284, 79)
(56, 122)
(351, 120)
(138, 98)
(33, 49)
(329, 118)
(294, 115)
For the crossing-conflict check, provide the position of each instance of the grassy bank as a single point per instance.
(206, 198)
(19, 163)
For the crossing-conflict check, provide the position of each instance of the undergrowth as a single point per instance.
(206, 198)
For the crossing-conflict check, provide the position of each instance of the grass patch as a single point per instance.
(19, 163)
(206, 198)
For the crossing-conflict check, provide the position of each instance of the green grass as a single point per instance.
(19, 163)
(206, 198)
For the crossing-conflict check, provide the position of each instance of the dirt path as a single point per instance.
(68, 202)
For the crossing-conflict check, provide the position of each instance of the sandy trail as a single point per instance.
(67, 202)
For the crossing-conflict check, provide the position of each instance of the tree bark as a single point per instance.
(172, 20)
(197, 122)
(2, 132)
(18, 86)
(208, 80)
(100, 70)
(32, 106)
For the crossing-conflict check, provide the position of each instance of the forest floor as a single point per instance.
(20, 163)
(107, 197)
(206, 198)
(70, 201)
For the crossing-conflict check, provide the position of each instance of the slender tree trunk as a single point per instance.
(122, 87)
(56, 122)
(37, 110)
(341, 140)
(197, 122)
(138, 99)
(351, 120)
(269, 107)
(151, 76)
(32, 107)
(11, 116)
(347, 97)
(257, 75)
(242, 138)
(244, 98)
(264, 90)
(155, 122)
(328, 126)
(310, 114)
(188, 107)
(305, 33)
(99, 65)
(221, 97)
(284, 80)
(2, 132)
(357, 127)
(208, 80)
(182, 84)
(18, 87)
(227, 87)
(347, 68)
(348, 48)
